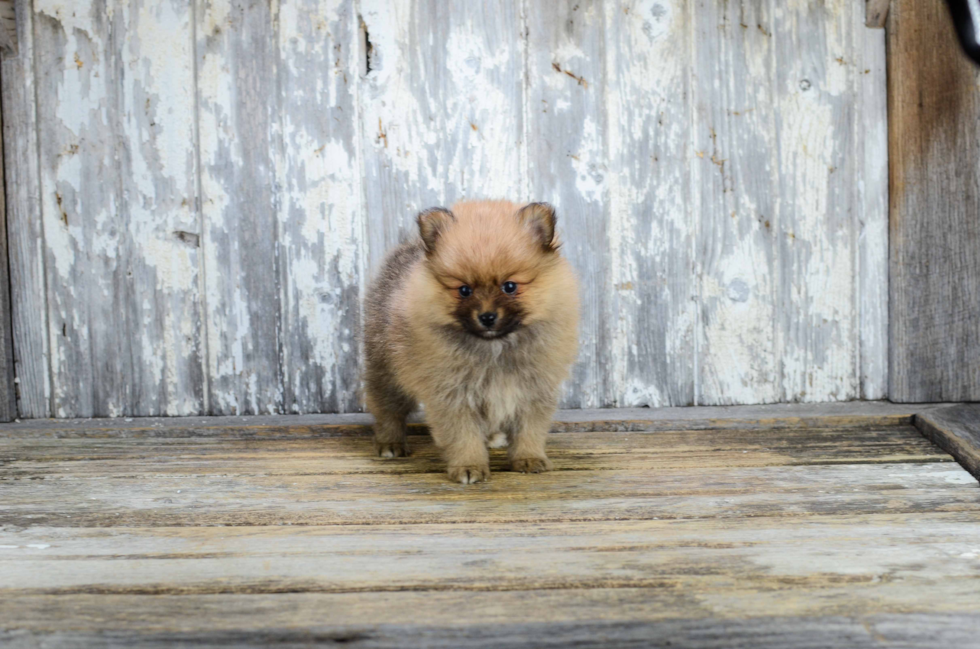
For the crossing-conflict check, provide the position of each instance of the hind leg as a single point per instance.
(390, 407)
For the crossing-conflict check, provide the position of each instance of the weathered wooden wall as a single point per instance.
(934, 109)
(8, 400)
(201, 190)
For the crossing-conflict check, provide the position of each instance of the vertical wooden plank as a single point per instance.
(735, 146)
(871, 142)
(934, 145)
(237, 103)
(441, 106)
(648, 122)
(8, 399)
(568, 167)
(320, 214)
(24, 228)
(116, 133)
(816, 237)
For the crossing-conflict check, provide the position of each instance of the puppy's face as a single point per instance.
(490, 262)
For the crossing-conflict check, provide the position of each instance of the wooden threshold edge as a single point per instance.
(956, 430)
(819, 415)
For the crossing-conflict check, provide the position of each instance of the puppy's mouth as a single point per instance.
(501, 331)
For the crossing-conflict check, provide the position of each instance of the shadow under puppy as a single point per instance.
(478, 320)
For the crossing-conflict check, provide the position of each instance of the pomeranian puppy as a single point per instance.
(477, 320)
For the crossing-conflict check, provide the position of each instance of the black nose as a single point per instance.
(487, 319)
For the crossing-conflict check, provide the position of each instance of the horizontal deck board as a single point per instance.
(354, 454)
(344, 499)
(707, 554)
(584, 619)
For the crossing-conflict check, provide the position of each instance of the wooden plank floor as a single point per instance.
(742, 531)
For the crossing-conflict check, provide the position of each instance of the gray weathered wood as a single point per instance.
(118, 188)
(567, 166)
(442, 109)
(934, 105)
(473, 621)
(25, 235)
(320, 216)
(249, 212)
(852, 414)
(285, 490)
(238, 111)
(625, 554)
(876, 13)
(956, 430)
(735, 168)
(815, 94)
(651, 356)
(8, 399)
(871, 140)
(861, 535)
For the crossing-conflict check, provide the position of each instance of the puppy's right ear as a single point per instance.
(540, 219)
(432, 223)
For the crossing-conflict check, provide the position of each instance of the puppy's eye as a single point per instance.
(509, 288)
(465, 291)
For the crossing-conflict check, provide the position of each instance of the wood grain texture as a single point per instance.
(815, 94)
(719, 537)
(871, 141)
(652, 355)
(854, 414)
(320, 217)
(396, 558)
(567, 166)
(317, 454)
(748, 476)
(8, 397)
(251, 212)
(956, 430)
(238, 113)
(476, 621)
(935, 196)
(442, 109)
(25, 232)
(735, 169)
(118, 187)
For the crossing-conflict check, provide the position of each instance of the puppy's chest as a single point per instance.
(495, 396)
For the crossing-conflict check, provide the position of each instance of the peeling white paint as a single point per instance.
(731, 231)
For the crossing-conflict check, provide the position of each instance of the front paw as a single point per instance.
(392, 449)
(469, 474)
(530, 464)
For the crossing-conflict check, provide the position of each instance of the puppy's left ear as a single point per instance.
(540, 219)
(432, 223)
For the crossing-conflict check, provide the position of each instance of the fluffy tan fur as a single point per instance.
(425, 341)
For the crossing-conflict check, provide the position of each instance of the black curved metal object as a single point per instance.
(966, 18)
